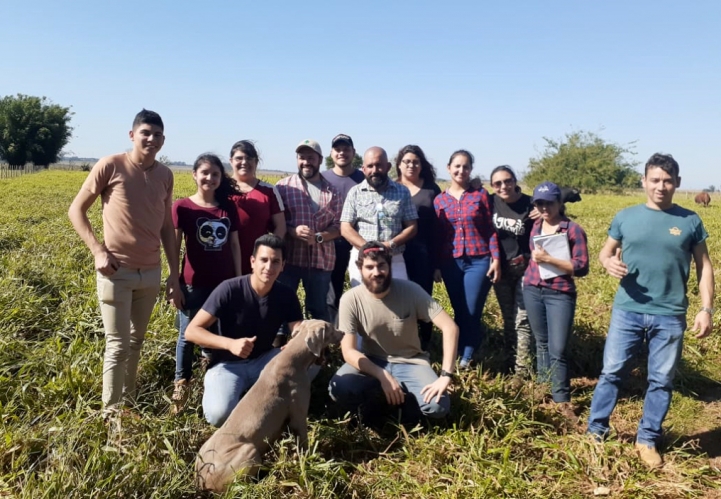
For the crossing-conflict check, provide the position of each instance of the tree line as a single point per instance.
(34, 130)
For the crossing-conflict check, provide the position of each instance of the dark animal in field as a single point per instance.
(570, 195)
(703, 198)
(279, 399)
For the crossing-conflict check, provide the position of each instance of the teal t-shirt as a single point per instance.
(657, 247)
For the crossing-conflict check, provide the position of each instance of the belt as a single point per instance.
(518, 261)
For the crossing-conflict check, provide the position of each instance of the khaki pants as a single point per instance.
(126, 302)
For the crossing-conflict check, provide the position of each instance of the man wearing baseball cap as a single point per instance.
(343, 176)
(312, 214)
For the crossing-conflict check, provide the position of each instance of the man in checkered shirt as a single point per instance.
(378, 209)
(312, 212)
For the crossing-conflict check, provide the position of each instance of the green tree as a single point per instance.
(357, 162)
(586, 161)
(32, 129)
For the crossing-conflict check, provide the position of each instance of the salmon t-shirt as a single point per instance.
(134, 207)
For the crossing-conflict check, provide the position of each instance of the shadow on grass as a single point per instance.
(705, 442)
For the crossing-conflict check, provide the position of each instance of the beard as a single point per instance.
(377, 286)
(377, 179)
(308, 175)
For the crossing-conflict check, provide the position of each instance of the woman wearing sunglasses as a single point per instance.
(549, 291)
(513, 216)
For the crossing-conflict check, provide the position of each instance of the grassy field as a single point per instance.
(498, 442)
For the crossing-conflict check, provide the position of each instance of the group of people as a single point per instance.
(248, 246)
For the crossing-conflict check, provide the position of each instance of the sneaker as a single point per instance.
(649, 455)
(180, 396)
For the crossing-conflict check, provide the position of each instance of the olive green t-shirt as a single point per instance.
(657, 246)
(388, 326)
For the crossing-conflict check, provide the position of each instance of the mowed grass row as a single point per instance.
(497, 442)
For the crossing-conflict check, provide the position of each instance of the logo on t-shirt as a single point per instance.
(674, 231)
(512, 225)
(212, 234)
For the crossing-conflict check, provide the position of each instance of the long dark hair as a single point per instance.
(228, 186)
(428, 173)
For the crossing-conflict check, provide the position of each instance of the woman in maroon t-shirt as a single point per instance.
(259, 206)
(208, 223)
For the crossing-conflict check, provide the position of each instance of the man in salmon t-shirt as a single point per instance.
(137, 195)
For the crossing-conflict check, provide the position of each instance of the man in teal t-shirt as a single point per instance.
(649, 249)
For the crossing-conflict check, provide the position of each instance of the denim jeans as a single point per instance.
(550, 314)
(468, 287)
(315, 284)
(516, 329)
(626, 334)
(185, 350)
(351, 388)
(420, 267)
(226, 382)
(126, 302)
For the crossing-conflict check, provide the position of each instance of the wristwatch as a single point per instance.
(318, 237)
(446, 374)
(392, 244)
(709, 311)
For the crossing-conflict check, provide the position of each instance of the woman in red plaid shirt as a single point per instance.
(470, 259)
(551, 302)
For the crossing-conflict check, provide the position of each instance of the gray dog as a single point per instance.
(280, 396)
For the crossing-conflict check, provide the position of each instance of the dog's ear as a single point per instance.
(315, 338)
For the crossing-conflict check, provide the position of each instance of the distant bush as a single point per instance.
(586, 161)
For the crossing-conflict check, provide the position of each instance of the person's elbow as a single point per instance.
(582, 269)
(452, 330)
(191, 333)
(346, 229)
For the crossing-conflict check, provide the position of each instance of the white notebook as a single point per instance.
(557, 246)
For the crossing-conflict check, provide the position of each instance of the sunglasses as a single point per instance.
(498, 183)
(541, 203)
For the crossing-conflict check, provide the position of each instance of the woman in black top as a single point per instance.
(513, 216)
(415, 172)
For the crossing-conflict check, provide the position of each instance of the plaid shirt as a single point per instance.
(379, 215)
(579, 257)
(299, 211)
(466, 225)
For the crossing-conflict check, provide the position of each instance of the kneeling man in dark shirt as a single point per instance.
(248, 311)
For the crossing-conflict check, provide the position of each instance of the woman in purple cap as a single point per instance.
(558, 253)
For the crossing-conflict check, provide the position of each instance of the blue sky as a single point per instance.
(491, 77)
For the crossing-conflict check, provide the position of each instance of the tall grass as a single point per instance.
(498, 442)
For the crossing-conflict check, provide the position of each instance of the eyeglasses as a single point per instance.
(410, 162)
(498, 183)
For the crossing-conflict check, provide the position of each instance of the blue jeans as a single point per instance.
(185, 350)
(550, 314)
(226, 382)
(468, 287)
(626, 334)
(315, 283)
(350, 388)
